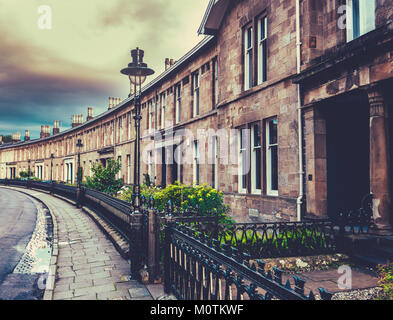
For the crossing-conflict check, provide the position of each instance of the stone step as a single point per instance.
(383, 252)
(369, 261)
(386, 241)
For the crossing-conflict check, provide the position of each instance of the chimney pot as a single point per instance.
(89, 113)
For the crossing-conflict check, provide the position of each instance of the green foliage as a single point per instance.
(202, 199)
(386, 282)
(24, 174)
(104, 179)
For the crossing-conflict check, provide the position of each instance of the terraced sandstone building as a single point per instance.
(312, 84)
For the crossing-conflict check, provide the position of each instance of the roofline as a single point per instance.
(201, 29)
(201, 45)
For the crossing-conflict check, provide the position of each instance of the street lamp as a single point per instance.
(79, 176)
(137, 71)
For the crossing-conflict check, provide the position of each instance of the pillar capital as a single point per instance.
(376, 101)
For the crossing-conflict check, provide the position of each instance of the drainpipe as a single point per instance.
(300, 199)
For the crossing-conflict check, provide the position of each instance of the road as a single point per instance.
(17, 222)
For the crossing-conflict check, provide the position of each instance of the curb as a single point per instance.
(50, 281)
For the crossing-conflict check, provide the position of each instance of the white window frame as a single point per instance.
(215, 162)
(242, 147)
(254, 148)
(119, 174)
(215, 81)
(150, 108)
(366, 16)
(195, 83)
(150, 168)
(178, 103)
(269, 146)
(163, 105)
(262, 49)
(128, 169)
(248, 55)
(196, 168)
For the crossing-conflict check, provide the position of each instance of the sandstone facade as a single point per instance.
(335, 73)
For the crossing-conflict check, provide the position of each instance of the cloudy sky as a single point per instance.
(51, 74)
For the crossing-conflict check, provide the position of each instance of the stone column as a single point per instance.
(379, 161)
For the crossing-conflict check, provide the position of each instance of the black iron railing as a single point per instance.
(199, 268)
(280, 239)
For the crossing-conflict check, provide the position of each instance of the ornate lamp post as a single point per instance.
(79, 176)
(137, 71)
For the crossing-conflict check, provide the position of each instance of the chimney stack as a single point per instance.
(167, 64)
(89, 113)
(56, 128)
(47, 131)
(172, 62)
(113, 102)
(16, 137)
(27, 135)
(42, 134)
(74, 120)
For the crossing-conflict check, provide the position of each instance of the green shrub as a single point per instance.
(201, 199)
(386, 282)
(104, 179)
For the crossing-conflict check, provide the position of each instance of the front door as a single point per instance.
(347, 128)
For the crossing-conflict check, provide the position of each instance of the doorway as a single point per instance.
(347, 147)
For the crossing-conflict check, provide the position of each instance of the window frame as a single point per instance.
(178, 103)
(215, 82)
(162, 108)
(268, 160)
(242, 177)
(196, 168)
(195, 92)
(262, 47)
(358, 22)
(215, 149)
(248, 57)
(150, 115)
(254, 148)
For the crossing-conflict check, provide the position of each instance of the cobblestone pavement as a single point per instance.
(88, 265)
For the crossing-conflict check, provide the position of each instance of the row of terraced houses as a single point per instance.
(311, 80)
